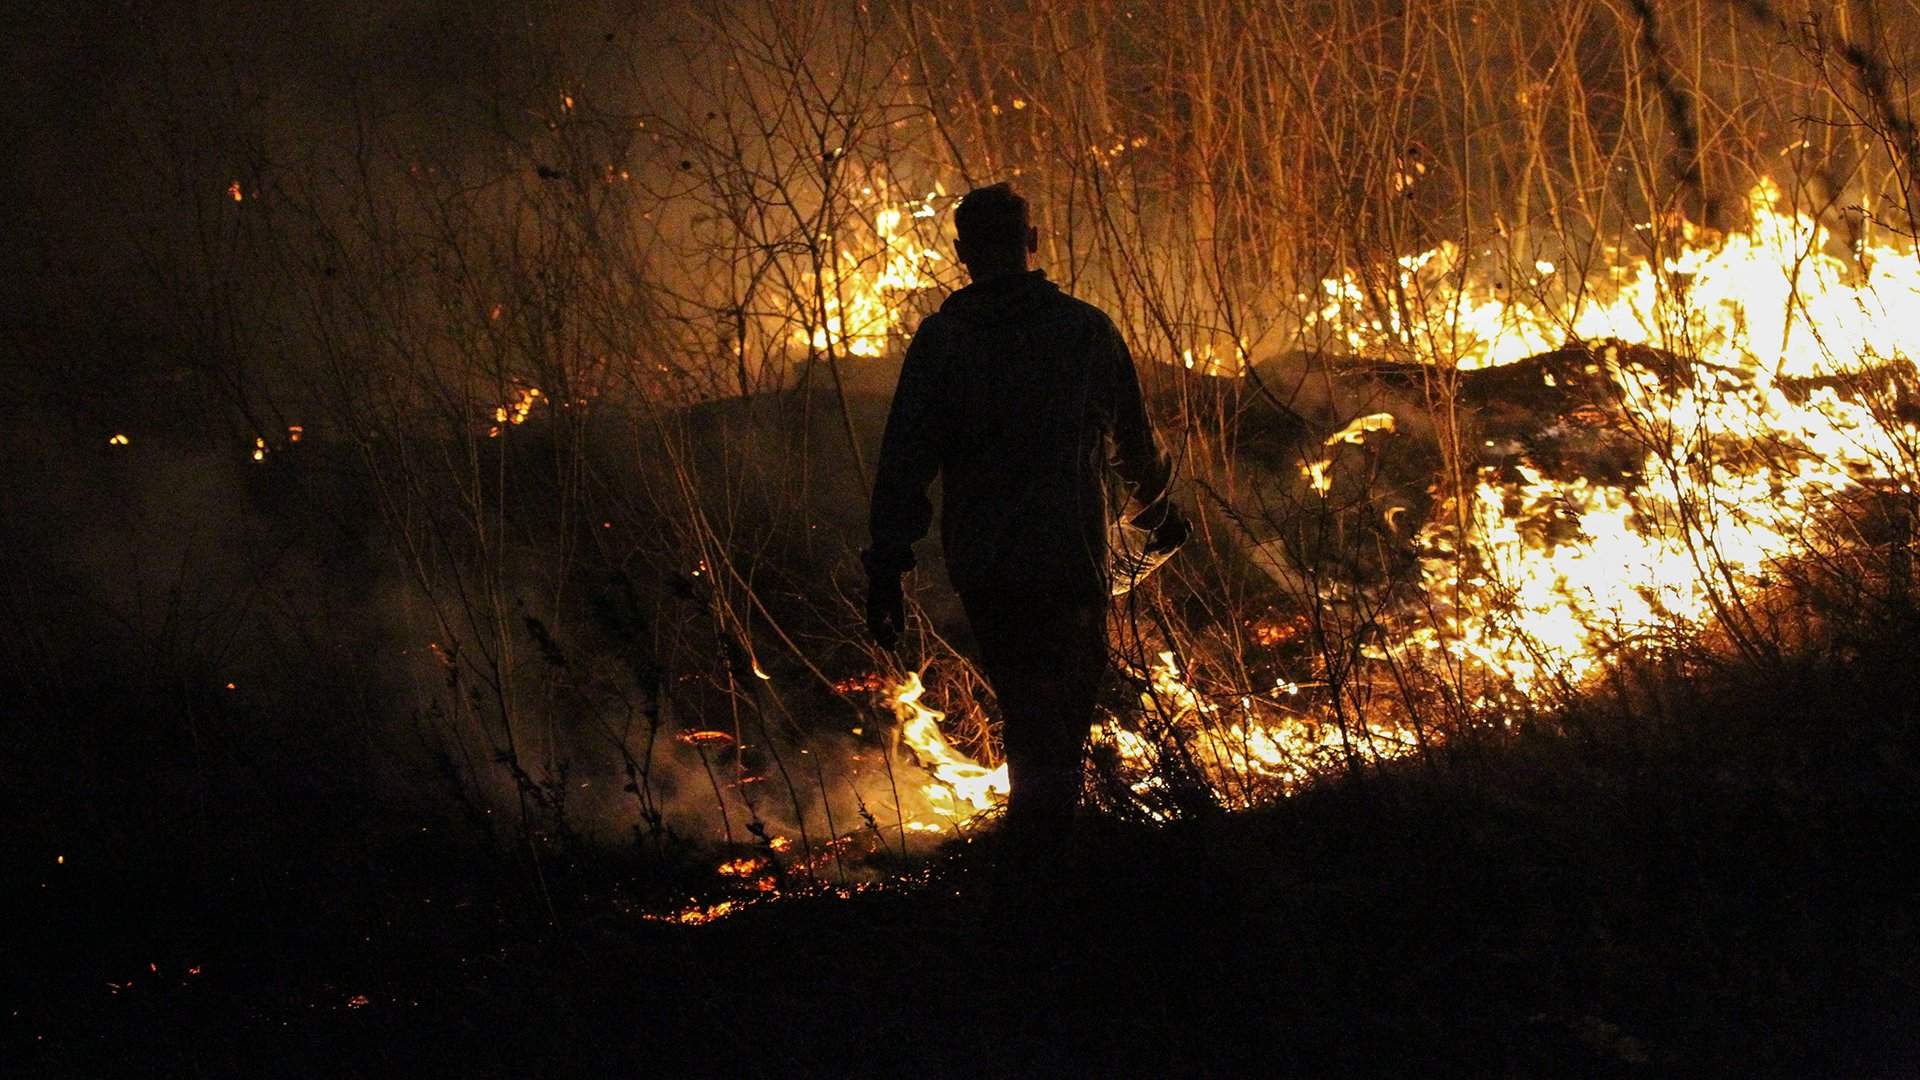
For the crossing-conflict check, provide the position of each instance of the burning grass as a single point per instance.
(1482, 385)
(1544, 387)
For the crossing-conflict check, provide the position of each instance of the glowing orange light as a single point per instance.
(514, 412)
(706, 738)
(862, 306)
(1750, 312)
(961, 787)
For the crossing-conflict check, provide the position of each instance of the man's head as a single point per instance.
(996, 232)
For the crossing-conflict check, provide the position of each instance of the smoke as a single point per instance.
(163, 159)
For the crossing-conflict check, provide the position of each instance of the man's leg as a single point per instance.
(1045, 658)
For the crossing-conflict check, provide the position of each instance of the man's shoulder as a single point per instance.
(1069, 310)
(1052, 306)
(933, 327)
(1083, 310)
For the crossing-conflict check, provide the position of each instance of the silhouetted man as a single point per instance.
(1020, 397)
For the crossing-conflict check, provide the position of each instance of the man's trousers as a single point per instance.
(1045, 657)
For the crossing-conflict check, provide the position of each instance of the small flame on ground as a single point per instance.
(1355, 433)
(1358, 428)
(961, 787)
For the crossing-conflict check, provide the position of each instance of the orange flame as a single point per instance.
(961, 787)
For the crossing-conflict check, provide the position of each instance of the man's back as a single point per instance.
(1019, 396)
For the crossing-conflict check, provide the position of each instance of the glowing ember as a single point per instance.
(699, 914)
(706, 738)
(1271, 632)
(753, 871)
(514, 412)
(872, 681)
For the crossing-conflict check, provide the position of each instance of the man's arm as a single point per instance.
(1137, 454)
(909, 457)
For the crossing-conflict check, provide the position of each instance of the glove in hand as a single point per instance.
(886, 609)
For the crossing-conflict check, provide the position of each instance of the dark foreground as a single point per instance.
(1729, 889)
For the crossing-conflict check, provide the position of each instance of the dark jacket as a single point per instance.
(1019, 396)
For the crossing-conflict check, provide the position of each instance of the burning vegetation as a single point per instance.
(1516, 357)
(1473, 407)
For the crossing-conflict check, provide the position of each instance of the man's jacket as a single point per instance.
(1020, 397)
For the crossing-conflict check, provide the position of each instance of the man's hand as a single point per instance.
(886, 609)
(1172, 531)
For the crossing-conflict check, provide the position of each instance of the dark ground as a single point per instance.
(1730, 890)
